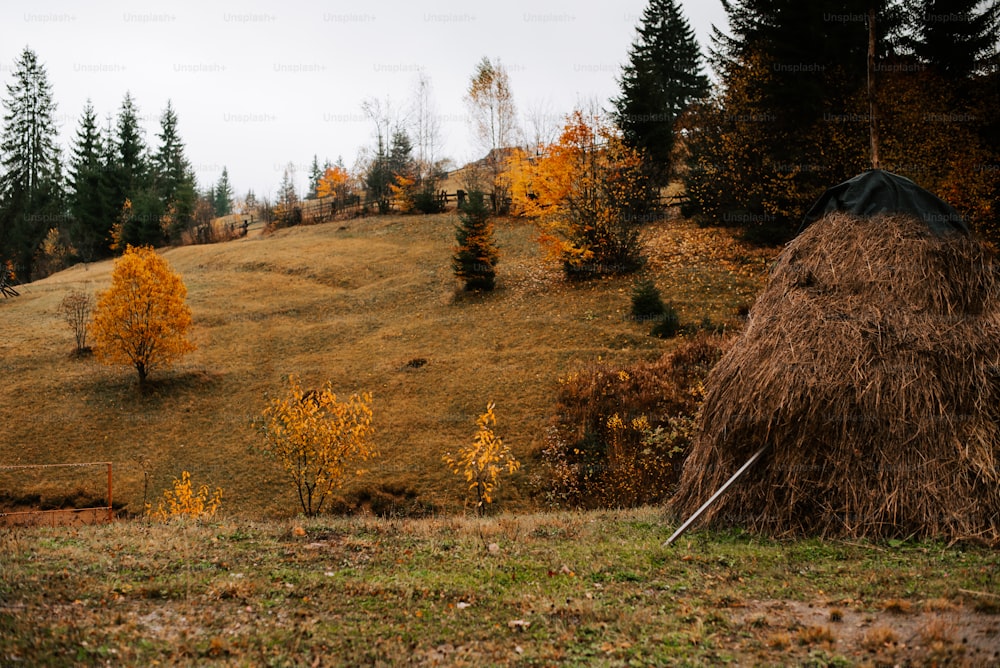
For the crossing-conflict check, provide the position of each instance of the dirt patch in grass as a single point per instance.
(863, 634)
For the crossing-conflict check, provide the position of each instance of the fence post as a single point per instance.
(110, 511)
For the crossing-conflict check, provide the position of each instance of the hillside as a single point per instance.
(353, 302)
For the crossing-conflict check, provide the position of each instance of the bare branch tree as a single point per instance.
(76, 309)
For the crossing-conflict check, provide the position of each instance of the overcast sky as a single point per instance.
(257, 85)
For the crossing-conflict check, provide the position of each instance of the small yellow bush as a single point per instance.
(184, 501)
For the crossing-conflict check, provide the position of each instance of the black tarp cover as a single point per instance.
(879, 191)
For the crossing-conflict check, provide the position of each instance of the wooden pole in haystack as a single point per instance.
(691, 520)
(872, 103)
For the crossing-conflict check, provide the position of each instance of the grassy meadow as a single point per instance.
(546, 589)
(358, 303)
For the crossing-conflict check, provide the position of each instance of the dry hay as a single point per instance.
(869, 365)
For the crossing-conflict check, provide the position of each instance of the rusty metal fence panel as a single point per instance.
(54, 483)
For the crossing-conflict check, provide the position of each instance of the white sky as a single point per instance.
(257, 85)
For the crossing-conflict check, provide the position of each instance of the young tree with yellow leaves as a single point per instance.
(484, 461)
(590, 193)
(317, 439)
(142, 320)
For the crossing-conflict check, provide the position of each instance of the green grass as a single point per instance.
(532, 590)
(351, 302)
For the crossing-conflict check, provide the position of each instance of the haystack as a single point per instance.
(869, 366)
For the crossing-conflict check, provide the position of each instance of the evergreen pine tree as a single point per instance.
(663, 77)
(169, 164)
(132, 182)
(31, 198)
(646, 302)
(378, 177)
(315, 173)
(130, 149)
(90, 200)
(401, 155)
(476, 256)
(173, 177)
(954, 37)
(222, 198)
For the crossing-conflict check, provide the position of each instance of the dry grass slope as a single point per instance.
(353, 303)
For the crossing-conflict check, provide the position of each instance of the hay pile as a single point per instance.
(870, 365)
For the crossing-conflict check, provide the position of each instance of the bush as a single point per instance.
(669, 325)
(318, 439)
(620, 434)
(427, 200)
(646, 302)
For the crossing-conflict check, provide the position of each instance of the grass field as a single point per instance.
(351, 302)
(577, 589)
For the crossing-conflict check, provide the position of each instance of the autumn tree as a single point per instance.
(318, 439)
(484, 461)
(333, 182)
(475, 258)
(142, 320)
(591, 196)
(494, 120)
(425, 126)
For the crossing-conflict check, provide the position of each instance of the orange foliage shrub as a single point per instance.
(184, 501)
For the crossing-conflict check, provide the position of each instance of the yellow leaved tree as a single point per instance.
(484, 460)
(589, 193)
(333, 183)
(318, 439)
(142, 320)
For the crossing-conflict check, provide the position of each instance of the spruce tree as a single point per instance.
(315, 173)
(169, 163)
(173, 176)
(130, 149)
(663, 77)
(954, 37)
(401, 155)
(222, 198)
(90, 200)
(476, 256)
(31, 198)
(132, 180)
